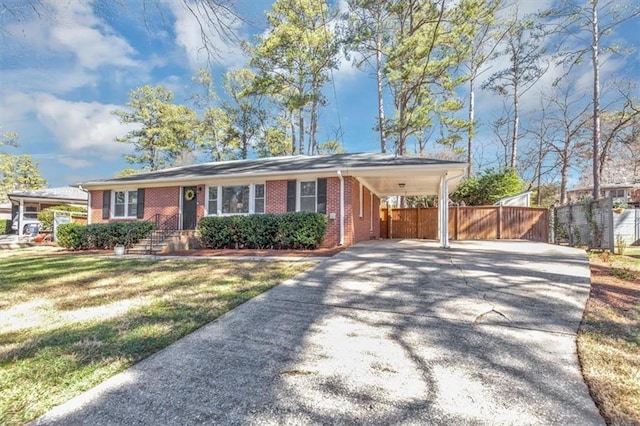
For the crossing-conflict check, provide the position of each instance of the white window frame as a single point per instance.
(299, 195)
(126, 204)
(252, 198)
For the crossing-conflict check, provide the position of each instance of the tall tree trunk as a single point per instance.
(470, 128)
(596, 101)
(244, 146)
(516, 123)
(381, 125)
(539, 172)
(313, 126)
(564, 177)
(293, 135)
(300, 132)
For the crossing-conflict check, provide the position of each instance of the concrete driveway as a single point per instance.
(387, 332)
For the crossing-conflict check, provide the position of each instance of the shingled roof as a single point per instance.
(67, 193)
(367, 166)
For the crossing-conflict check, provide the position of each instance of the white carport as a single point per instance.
(434, 178)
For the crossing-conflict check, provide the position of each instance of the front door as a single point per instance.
(189, 207)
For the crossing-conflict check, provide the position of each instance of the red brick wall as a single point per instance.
(276, 196)
(95, 207)
(166, 201)
(333, 206)
(362, 225)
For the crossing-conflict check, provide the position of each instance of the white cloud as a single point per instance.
(75, 163)
(82, 128)
(189, 35)
(72, 28)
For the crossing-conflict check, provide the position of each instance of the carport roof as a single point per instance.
(67, 194)
(385, 174)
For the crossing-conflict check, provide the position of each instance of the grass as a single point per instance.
(609, 337)
(67, 322)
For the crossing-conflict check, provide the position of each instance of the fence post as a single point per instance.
(456, 222)
(418, 223)
(390, 222)
(500, 221)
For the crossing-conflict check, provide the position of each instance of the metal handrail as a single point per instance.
(164, 225)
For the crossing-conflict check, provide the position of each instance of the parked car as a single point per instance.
(30, 223)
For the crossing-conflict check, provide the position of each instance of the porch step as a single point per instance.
(165, 245)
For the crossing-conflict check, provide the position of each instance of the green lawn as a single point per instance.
(67, 322)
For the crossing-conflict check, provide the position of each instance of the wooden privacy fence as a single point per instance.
(468, 223)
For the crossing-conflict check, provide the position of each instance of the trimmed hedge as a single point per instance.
(295, 230)
(5, 226)
(102, 235)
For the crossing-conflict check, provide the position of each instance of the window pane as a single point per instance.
(308, 196)
(132, 209)
(213, 200)
(259, 191)
(258, 206)
(235, 199)
(308, 204)
(119, 197)
(307, 189)
(118, 203)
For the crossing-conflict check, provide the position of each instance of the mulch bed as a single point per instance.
(321, 252)
(605, 288)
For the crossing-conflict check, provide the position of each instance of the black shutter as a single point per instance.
(291, 195)
(140, 208)
(322, 195)
(106, 204)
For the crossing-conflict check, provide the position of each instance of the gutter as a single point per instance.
(341, 242)
(376, 170)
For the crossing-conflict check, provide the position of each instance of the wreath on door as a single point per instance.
(189, 194)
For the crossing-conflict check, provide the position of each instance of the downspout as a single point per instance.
(341, 208)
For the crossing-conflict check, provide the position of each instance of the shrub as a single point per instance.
(5, 226)
(102, 235)
(299, 230)
(72, 236)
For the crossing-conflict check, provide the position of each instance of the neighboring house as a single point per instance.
(345, 187)
(34, 201)
(628, 193)
(519, 200)
(5, 211)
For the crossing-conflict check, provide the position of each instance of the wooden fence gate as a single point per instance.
(468, 223)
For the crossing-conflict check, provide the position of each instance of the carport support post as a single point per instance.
(443, 206)
(20, 216)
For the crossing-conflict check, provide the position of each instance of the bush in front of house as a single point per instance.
(102, 235)
(295, 230)
(5, 226)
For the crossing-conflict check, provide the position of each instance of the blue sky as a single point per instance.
(63, 73)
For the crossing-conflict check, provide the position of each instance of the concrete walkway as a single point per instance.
(383, 333)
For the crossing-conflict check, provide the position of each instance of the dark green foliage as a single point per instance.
(487, 188)
(5, 226)
(46, 216)
(102, 235)
(295, 230)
